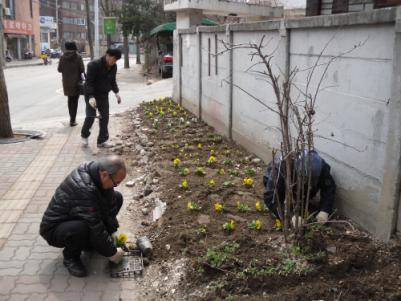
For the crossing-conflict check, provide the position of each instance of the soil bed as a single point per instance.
(334, 262)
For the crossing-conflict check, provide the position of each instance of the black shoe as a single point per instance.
(75, 267)
(73, 123)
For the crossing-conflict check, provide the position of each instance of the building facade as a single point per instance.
(21, 27)
(328, 7)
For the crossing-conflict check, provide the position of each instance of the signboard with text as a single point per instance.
(109, 25)
(47, 21)
(18, 27)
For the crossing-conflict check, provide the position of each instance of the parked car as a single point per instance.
(28, 54)
(55, 53)
(165, 64)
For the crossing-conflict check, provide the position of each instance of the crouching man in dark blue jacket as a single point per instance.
(321, 180)
(82, 213)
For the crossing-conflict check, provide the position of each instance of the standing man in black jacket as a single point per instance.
(100, 80)
(82, 213)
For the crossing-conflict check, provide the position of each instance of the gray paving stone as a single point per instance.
(18, 297)
(20, 228)
(48, 266)
(37, 297)
(7, 253)
(21, 236)
(91, 295)
(22, 253)
(33, 228)
(34, 279)
(45, 249)
(31, 267)
(59, 283)
(30, 288)
(4, 297)
(20, 243)
(7, 284)
(41, 256)
(76, 284)
(66, 296)
(9, 264)
(110, 296)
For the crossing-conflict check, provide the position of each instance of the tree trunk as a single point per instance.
(138, 51)
(5, 122)
(89, 33)
(108, 41)
(126, 51)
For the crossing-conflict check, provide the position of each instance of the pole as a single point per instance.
(96, 28)
(57, 27)
(1, 36)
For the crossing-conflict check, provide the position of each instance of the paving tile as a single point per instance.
(7, 284)
(29, 288)
(20, 228)
(22, 253)
(66, 296)
(37, 297)
(59, 284)
(14, 202)
(20, 243)
(5, 229)
(31, 267)
(18, 297)
(7, 253)
(10, 216)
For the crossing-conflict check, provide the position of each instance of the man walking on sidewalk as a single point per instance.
(82, 213)
(100, 80)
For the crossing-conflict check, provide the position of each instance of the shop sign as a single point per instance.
(18, 27)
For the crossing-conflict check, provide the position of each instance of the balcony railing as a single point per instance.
(249, 2)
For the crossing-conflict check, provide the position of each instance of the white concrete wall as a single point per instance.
(352, 111)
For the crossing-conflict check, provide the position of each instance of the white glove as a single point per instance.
(322, 217)
(92, 103)
(118, 98)
(294, 220)
(116, 258)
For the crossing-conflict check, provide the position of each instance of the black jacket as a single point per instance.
(100, 79)
(81, 197)
(321, 180)
(71, 66)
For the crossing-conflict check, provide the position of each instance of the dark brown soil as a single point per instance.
(334, 262)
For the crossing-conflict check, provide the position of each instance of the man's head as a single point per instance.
(71, 45)
(112, 171)
(112, 56)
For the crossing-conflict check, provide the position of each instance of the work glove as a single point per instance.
(322, 217)
(92, 103)
(118, 98)
(294, 221)
(118, 256)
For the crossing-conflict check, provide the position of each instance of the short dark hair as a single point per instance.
(71, 45)
(114, 52)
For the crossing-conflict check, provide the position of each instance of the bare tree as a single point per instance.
(89, 33)
(297, 118)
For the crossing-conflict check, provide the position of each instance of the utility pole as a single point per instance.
(96, 8)
(57, 26)
(1, 36)
(89, 25)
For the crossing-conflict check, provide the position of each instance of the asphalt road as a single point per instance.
(36, 98)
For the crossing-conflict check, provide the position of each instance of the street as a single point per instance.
(37, 101)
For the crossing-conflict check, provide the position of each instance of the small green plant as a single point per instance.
(227, 184)
(234, 172)
(249, 172)
(199, 171)
(185, 171)
(227, 162)
(243, 208)
(221, 171)
(215, 258)
(289, 266)
(255, 225)
(216, 286)
(229, 226)
(296, 250)
(201, 231)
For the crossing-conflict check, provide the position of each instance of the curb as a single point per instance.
(22, 65)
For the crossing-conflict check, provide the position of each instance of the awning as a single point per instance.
(171, 26)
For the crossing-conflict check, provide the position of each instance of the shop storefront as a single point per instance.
(18, 38)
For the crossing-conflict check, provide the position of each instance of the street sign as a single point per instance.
(109, 25)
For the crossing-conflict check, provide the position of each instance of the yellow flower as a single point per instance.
(174, 113)
(185, 171)
(259, 206)
(211, 159)
(279, 224)
(121, 240)
(190, 206)
(176, 162)
(229, 226)
(199, 145)
(184, 184)
(258, 224)
(212, 182)
(212, 152)
(248, 182)
(218, 207)
(221, 171)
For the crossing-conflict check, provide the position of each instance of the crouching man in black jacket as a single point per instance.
(82, 213)
(321, 181)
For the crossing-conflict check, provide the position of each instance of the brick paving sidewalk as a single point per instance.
(29, 269)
